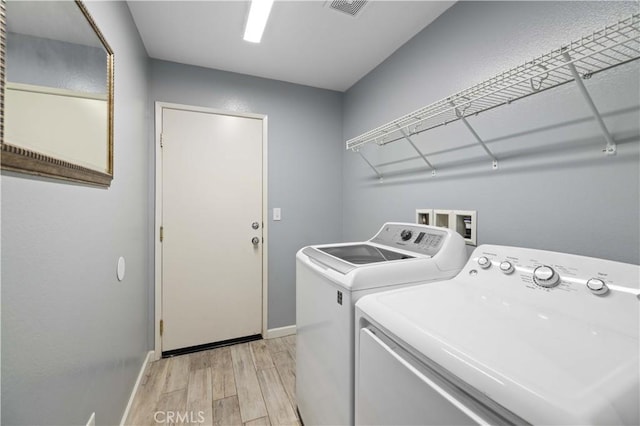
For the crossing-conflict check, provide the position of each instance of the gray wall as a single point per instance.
(73, 337)
(554, 188)
(304, 160)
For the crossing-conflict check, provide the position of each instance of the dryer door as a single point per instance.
(393, 388)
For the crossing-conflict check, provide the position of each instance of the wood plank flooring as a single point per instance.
(247, 384)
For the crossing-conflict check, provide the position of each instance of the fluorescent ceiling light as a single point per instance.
(257, 20)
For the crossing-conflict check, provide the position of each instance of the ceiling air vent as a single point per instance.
(350, 7)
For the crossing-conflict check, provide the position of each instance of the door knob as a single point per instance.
(255, 241)
(255, 225)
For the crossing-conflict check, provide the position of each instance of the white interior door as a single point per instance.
(211, 211)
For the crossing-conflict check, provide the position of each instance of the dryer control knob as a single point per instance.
(545, 276)
(484, 262)
(405, 235)
(506, 267)
(597, 286)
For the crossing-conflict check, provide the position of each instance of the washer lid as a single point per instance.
(549, 364)
(344, 258)
(362, 254)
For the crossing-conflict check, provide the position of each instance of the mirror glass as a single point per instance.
(58, 94)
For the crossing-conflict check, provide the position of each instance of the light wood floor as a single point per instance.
(245, 384)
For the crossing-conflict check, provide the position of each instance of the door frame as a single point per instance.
(158, 212)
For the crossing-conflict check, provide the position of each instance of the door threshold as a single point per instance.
(208, 346)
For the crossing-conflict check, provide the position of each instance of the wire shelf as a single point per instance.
(612, 46)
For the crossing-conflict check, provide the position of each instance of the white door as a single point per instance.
(211, 212)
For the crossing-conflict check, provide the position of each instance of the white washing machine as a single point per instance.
(329, 280)
(519, 336)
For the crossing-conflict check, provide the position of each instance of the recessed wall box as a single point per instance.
(465, 223)
(442, 218)
(424, 216)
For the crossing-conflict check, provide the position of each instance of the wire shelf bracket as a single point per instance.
(424, 157)
(610, 149)
(460, 115)
(369, 163)
(613, 45)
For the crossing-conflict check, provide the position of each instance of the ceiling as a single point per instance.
(305, 42)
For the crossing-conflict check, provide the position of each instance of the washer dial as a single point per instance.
(546, 276)
(406, 234)
(484, 262)
(597, 286)
(506, 267)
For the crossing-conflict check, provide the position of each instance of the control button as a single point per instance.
(406, 235)
(597, 286)
(484, 262)
(545, 276)
(506, 267)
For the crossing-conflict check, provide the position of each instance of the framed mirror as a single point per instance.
(58, 98)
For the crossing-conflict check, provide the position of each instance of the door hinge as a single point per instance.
(161, 327)
(161, 233)
(161, 140)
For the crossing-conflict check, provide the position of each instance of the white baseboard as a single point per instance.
(147, 359)
(274, 333)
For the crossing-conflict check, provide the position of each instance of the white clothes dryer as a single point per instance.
(330, 279)
(520, 336)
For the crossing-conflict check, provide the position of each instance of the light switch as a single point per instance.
(277, 215)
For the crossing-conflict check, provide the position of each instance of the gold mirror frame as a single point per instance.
(17, 159)
(3, 41)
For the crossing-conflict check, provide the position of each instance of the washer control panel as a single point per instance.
(545, 271)
(422, 239)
